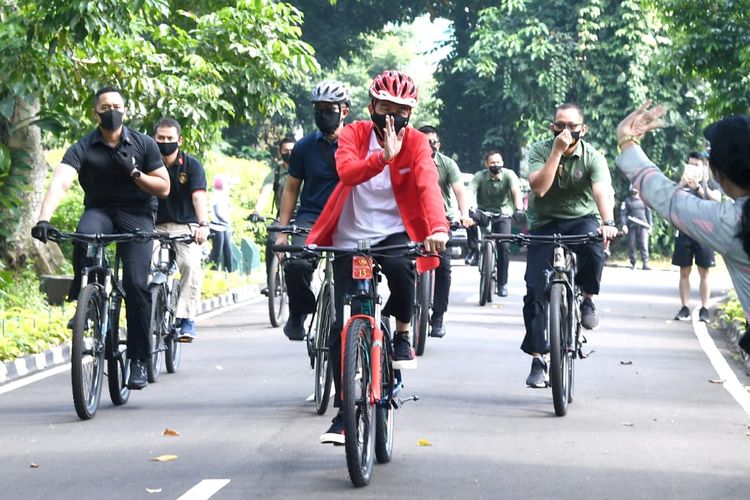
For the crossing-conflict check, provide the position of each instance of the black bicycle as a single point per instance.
(165, 290)
(424, 286)
(278, 300)
(488, 258)
(562, 309)
(97, 336)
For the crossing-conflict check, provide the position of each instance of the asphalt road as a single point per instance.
(647, 421)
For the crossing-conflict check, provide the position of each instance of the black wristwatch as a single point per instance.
(203, 223)
(610, 223)
(135, 174)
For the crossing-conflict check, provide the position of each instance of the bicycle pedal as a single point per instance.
(184, 340)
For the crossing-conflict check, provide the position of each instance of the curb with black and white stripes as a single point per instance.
(21, 367)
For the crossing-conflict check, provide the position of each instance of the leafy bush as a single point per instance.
(732, 308)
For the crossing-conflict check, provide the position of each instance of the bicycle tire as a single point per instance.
(172, 347)
(421, 318)
(359, 417)
(87, 353)
(486, 270)
(277, 297)
(559, 374)
(118, 368)
(385, 412)
(155, 332)
(323, 376)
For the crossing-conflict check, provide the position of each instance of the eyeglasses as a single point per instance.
(434, 142)
(570, 126)
(333, 108)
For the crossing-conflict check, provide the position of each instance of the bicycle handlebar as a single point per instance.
(411, 249)
(105, 239)
(527, 239)
(290, 229)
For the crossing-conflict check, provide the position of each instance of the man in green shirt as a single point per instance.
(496, 190)
(570, 194)
(449, 178)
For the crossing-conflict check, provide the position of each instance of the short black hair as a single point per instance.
(168, 123)
(570, 105)
(107, 90)
(429, 129)
(493, 152)
(286, 140)
(696, 155)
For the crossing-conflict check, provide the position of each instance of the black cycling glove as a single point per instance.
(41, 230)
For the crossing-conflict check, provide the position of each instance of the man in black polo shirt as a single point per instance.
(121, 173)
(184, 211)
(313, 168)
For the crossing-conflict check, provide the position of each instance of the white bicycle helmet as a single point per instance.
(330, 91)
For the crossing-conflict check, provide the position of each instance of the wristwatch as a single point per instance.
(135, 174)
(609, 222)
(203, 223)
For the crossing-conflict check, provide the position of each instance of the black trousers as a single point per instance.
(442, 284)
(498, 225)
(221, 250)
(298, 273)
(136, 260)
(398, 270)
(637, 240)
(539, 259)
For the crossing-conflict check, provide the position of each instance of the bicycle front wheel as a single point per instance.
(277, 298)
(359, 414)
(172, 347)
(323, 324)
(421, 318)
(384, 417)
(87, 352)
(118, 368)
(156, 332)
(486, 270)
(561, 362)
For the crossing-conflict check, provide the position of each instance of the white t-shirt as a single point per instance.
(370, 212)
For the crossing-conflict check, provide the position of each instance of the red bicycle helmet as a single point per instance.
(394, 86)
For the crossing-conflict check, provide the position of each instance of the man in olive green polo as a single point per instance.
(570, 194)
(496, 191)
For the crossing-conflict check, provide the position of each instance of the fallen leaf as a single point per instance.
(170, 432)
(164, 458)
(153, 490)
(627, 424)
(424, 442)
(34, 466)
(717, 380)
(626, 363)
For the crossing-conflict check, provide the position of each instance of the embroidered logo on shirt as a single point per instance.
(182, 178)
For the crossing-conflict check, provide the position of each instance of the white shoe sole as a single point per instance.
(410, 364)
(332, 439)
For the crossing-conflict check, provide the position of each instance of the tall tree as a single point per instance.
(217, 61)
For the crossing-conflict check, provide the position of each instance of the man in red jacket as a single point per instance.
(388, 194)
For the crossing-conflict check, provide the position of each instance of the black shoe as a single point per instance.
(404, 357)
(632, 265)
(683, 314)
(70, 323)
(335, 433)
(295, 327)
(138, 377)
(471, 259)
(744, 342)
(503, 291)
(646, 267)
(589, 318)
(703, 315)
(538, 376)
(437, 328)
(264, 291)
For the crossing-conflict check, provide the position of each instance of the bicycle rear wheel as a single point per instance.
(486, 270)
(324, 320)
(359, 415)
(385, 412)
(155, 332)
(277, 298)
(118, 368)
(87, 353)
(172, 347)
(561, 362)
(421, 318)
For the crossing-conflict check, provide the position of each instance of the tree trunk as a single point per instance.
(20, 246)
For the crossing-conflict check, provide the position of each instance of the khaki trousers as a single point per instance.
(191, 271)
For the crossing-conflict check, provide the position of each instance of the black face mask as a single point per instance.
(327, 121)
(494, 170)
(286, 156)
(575, 135)
(167, 148)
(111, 119)
(399, 122)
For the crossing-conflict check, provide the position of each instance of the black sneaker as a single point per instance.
(703, 315)
(335, 433)
(404, 357)
(264, 291)
(437, 328)
(295, 327)
(502, 290)
(632, 266)
(683, 314)
(70, 323)
(744, 342)
(138, 376)
(589, 318)
(646, 267)
(538, 376)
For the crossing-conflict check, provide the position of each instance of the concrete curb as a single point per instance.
(27, 365)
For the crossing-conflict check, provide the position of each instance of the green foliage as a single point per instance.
(732, 308)
(218, 283)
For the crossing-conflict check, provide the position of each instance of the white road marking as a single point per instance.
(731, 383)
(205, 489)
(17, 384)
